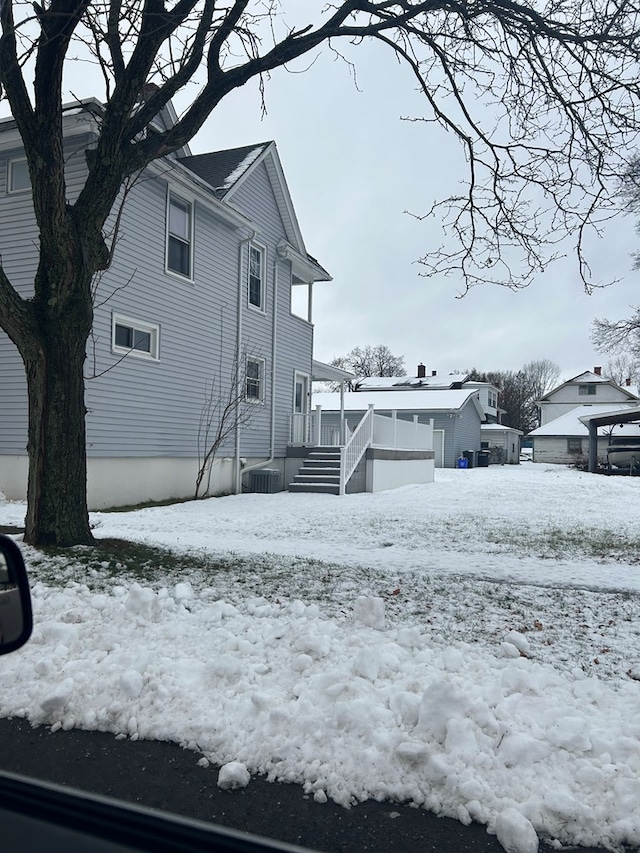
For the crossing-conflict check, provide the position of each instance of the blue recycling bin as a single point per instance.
(462, 462)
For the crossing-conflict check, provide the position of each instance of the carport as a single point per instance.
(592, 422)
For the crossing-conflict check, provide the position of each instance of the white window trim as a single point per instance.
(140, 326)
(255, 401)
(179, 197)
(262, 308)
(10, 164)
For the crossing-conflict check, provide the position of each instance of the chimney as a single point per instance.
(422, 371)
(597, 371)
(434, 372)
(627, 381)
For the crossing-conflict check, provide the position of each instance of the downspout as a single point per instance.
(237, 479)
(274, 336)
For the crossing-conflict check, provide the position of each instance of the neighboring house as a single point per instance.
(456, 415)
(487, 393)
(588, 388)
(196, 303)
(562, 437)
(502, 442)
(565, 440)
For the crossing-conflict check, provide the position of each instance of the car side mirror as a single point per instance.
(16, 618)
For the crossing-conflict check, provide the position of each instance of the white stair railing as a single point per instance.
(354, 449)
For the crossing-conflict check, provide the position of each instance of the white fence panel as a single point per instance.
(398, 434)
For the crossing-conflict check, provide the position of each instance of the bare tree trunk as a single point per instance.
(57, 486)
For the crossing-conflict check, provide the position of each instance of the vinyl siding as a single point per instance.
(553, 449)
(140, 407)
(294, 336)
(18, 248)
(143, 408)
(467, 431)
(567, 398)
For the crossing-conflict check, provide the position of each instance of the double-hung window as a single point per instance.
(587, 390)
(574, 445)
(134, 337)
(256, 277)
(179, 236)
(255, 380)
(17, 176)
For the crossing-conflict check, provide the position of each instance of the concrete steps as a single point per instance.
(320, 472)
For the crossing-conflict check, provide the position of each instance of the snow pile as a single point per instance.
(511, 728)
(350, 710)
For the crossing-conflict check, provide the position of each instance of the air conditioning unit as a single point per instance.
(265, 481)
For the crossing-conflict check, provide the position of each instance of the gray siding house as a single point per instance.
(195, 310)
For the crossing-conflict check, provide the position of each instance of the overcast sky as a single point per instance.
(354, 169)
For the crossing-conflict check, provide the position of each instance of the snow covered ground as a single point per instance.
(471, 646)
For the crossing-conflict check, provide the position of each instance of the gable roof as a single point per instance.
(589, 377)
(223, 169)
(226, 171)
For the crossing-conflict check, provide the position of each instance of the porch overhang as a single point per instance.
(321, 372)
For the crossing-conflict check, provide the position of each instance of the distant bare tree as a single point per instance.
(371, 361)
(540, 376)
(622, 368)
(519, 390)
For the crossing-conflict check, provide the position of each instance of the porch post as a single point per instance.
(343, 433)
(310, 303)
(317, 426)
(415, 431)
(593, 447)
(394, 419)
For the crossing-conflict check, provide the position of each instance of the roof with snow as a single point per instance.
(223, 169)
(499, 428)
(589, 377)
(401, 401)
(399, 383)
(570, 424)
(322, 372)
